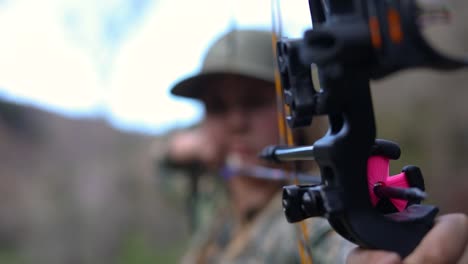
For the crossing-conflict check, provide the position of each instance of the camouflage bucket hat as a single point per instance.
(247, 53)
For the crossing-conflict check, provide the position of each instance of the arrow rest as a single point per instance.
(351, 43)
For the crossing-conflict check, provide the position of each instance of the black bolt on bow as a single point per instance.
(351, 43)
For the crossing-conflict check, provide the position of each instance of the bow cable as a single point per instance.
(285, 133)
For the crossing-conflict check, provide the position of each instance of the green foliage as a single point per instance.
(138, 250)
(10, 257)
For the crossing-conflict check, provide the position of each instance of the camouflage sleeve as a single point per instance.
(326, 245)
(274, 240)
(270, 239)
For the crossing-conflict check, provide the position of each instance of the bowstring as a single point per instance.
(285, 133)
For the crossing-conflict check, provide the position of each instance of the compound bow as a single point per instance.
(351, 43)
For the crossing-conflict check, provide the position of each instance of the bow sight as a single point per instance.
(351, 43)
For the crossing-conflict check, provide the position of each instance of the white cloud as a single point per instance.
(166, 48)
(37, 62)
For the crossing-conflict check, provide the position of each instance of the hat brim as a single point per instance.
(195, 87)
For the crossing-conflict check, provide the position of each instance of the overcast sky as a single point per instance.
(116, 59)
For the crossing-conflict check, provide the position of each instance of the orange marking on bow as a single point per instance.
(374, 28)
(394, 26)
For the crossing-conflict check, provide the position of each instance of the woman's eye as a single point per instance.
(215, 108)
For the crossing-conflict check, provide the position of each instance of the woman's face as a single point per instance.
(241, 120)
(241, 116)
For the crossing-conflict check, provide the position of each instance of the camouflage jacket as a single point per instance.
(268, 238)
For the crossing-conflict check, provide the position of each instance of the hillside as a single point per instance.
(78, 191)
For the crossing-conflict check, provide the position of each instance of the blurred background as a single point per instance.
(85, 113)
